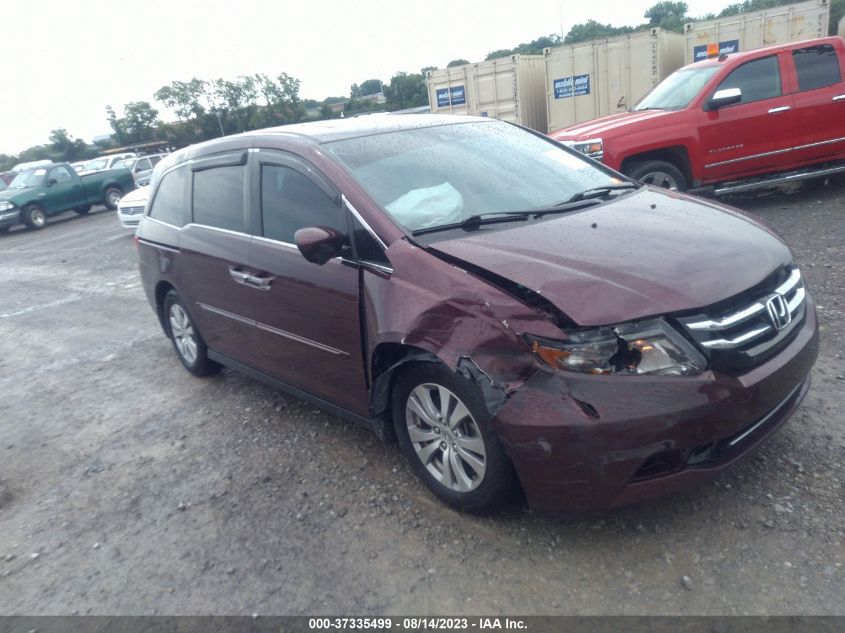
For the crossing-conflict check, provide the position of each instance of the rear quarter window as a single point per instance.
(170, 202)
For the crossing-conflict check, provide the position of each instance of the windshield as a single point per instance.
(126, 163)
(28, 178)
(442, 175)
(677, 90)
(97, 165)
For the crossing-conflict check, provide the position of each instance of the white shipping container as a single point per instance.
(842, 27)
(593, 79)
(747, 31)
(508, 88)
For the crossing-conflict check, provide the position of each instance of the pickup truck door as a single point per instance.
(62, 190)
(755, 135)
(819, 102)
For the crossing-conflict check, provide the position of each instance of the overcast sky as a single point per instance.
(66, 61)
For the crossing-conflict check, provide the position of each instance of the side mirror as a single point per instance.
(722, 98)
(51, 182)
(318, 244)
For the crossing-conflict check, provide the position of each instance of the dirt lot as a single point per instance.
(127, 486)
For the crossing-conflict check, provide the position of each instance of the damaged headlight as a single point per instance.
(647, 347)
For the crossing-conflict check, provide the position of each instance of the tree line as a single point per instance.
(208, 109)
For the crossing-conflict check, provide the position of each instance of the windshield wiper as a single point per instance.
(477, 220)
(597, 192)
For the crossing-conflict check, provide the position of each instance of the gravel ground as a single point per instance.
(129, 487)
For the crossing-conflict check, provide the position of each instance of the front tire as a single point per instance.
(444, 430)
(658, 173)
(34, 216)
(186, 339)
(112, 197)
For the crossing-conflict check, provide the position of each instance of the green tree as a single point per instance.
(140, 120)
(668, 15)
(502, 52)
(406, 91)
(457, 62)
(369, 87)
(187, 98)
(592, 30)
(65, 147)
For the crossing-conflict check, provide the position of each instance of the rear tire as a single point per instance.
(112, 197)
(34, 216)
(444, 430)
(658, 173)
(186, 339)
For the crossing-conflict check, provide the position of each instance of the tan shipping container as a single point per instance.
(842, 27)
(593, 79)
(747, 31)
(507, 88)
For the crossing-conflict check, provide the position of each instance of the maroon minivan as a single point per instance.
(515, 314)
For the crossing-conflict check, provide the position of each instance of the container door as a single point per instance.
(755, 135)
(819, 103)
(307, 316)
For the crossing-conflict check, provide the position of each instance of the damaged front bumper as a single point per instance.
(584, 442)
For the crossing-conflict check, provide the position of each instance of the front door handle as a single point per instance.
(262, 283)
(779, 109)
(239, 275)
(839, 98)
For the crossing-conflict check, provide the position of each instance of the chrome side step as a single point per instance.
(776, 180)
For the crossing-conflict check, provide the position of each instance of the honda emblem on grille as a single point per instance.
(778, 310)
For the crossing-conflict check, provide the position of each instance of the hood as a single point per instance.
(136, 197)
(607, 125)
(644, 254)
(11, 194)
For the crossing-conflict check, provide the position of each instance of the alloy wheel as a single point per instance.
(446, 437)
(183, 334)
(661, 179)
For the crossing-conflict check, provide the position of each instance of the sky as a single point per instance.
(67, 61)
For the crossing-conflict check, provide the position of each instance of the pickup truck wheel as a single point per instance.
(444, 430)
(658, 173)
(112, 197)
(34, 217)
(183, 332)
(85, 208)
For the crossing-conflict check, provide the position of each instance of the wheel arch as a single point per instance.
(161, 290)
(677, 155)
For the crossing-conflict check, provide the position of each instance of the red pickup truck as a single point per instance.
(732, 122)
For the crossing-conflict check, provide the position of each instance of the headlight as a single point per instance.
(647, 347)
(6, 206)
(594, 148)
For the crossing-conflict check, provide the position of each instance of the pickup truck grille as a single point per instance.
(741, 333)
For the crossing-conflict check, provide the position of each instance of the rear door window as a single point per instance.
(170, 202)
(817, 67)
(758, 80)
(218, 198)
(290, 200)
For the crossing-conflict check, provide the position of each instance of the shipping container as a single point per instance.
(842, 27)
(593, 79)
(747, 31)
(507, 88)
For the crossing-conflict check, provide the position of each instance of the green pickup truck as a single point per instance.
(35, 194)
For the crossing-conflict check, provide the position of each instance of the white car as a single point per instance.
(131, 207)
(102, 163)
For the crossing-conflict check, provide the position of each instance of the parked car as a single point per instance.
(31, 165)
(79, 166)
(733, 122)
(131, 207)
(141, 166)
(509, 310)
(103, 163)
(36, 194)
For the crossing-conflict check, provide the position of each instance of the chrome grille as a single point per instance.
(131, 210)
(739, 336)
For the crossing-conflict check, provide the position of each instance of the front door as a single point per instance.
(63, 190)
(754, 135)
(307, 319)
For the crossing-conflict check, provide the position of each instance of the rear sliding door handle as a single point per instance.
(263, 283)
(839, 98)
(239, 275)
(780, 109)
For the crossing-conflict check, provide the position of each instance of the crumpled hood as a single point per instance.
(607, 125)
(647, 253)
